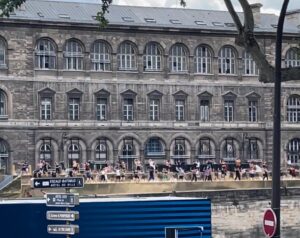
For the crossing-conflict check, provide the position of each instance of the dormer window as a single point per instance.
(127, 19)
(150, 20)
(175, 22)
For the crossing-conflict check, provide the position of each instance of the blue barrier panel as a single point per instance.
(110, 218)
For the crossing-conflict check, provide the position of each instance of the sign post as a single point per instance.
(66, 200)
(63, 229)
(62, 215)
(71, 182)
(269, 223)
(62, 199)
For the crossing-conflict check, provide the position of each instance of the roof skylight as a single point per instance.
(127, 19)
(174, 21)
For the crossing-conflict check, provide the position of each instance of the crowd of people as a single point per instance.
(151, 171)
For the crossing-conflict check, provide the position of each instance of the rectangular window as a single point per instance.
(45, 109)
(74, 109)
(228, 110)
(252, 111)
(128, 110)
(101, 110)
(154, 110)
(204, 110)
(179, 104)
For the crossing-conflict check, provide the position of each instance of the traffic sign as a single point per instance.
(269, 222)
(71, 182)
(62, 199)
(62, 215)
(63, 229)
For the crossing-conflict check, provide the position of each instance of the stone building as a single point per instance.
(157, 83)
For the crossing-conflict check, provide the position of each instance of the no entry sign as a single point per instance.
(269, 223)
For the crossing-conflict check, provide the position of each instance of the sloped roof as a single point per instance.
(180, 18)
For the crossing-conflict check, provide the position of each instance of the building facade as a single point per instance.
(157, 83)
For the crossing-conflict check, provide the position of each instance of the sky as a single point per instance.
(269, 6)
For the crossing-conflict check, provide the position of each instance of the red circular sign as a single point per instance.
(269, 223)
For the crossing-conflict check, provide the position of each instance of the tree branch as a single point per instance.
(247, 40)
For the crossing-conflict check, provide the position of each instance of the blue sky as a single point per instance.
(270, 6)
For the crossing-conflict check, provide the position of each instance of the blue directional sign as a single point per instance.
(72, 182)
(63, 229)
(62, 215)
(62, 199)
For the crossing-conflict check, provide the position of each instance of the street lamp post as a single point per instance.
(277, 121)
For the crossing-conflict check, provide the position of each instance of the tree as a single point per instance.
(245, 37)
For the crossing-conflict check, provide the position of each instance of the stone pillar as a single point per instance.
(115, 155)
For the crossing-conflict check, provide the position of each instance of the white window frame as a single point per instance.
(203, 60)
(101, 109)
(227, 61)
(74, 149)
(292, 58)
(74, 109)
(293, 155)
(45, 55)
(2, 54)
(101, 151)
(46, 108)
(45, 152)
(293, 109)
(3, 104)
(228, 110)
(252, 110)
(73, 55)
(152, 57)
(249, 65)
(180, 109)
(100, 57)
(204, 109)
(178, 59)
(154, 109)
(126, 57)
(128, 109)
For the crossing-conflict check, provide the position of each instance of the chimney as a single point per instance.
(256, 12)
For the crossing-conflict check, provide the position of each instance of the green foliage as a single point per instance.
(8, 6)
(101, 15)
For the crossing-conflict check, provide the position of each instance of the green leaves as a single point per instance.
(101, 15)
(8, 6)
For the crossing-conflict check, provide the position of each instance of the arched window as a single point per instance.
(206, 150)
(250, 67)
(229, 150)
(292, 58)
(178, 58)
(101, 150)
(74, 152)
(203, 60)
(179, 148)
(293, 155)
(252, 149)
(3, 156)
(227, 61)
(45, 150)
(293, 109)
(2, 54)
(152, 57)
(101, 56)
(45, 54)
(73, 54)
(126, 57)
(154, 147)
(3, 104)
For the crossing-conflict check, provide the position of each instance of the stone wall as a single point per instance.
(246, 219)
